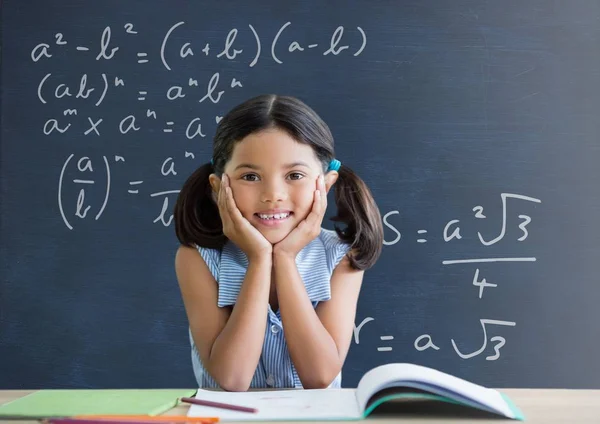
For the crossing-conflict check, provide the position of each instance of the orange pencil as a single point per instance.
(111, 419)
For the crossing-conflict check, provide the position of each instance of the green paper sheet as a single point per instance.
(95, 402)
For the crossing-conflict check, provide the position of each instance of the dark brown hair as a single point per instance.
(197, 220)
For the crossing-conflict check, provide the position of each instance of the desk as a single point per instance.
(540, 406)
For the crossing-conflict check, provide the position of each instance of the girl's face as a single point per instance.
(272, 174)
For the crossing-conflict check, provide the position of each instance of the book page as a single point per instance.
(293, 404)
(424, 378)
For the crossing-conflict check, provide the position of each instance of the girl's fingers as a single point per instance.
(322, 195)
(323, 192)
(320, 201)
(223, 208)
(227, 207)
(315, 215)
(234, 212)
(221, 195)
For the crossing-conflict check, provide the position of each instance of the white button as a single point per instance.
(270, 380)
(274, 329)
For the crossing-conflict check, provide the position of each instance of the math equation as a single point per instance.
(425, 341)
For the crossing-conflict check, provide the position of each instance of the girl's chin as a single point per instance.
(275, 237)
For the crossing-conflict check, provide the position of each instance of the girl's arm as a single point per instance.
(229, 341)
(318, 339)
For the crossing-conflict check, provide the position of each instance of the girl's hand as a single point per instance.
(237, 228)
(308, 229)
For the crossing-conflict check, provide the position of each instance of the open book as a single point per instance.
(381, 384)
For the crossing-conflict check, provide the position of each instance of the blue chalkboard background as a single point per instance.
(448, 110)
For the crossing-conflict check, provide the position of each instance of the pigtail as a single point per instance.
(196, 215)
(357, 209)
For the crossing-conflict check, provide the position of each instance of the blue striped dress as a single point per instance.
(315, 263)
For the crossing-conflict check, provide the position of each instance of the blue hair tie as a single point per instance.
(334, 165)
(211, 162)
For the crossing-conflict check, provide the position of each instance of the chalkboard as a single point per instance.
(474, 123)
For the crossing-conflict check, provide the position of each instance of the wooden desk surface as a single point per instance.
(540, 406)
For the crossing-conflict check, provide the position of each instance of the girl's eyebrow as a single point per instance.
(255, 167)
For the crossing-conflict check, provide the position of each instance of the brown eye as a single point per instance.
(296, 176)
(250, 177)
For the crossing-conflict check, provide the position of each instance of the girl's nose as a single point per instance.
(274, 192)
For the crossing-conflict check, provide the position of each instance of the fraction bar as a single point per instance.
(162, 193)
(468, 261)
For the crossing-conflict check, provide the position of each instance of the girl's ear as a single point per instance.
(215, 183)
(330, 179)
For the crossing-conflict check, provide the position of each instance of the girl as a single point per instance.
(271, 296)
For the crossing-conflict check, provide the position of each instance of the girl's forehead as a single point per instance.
(271, 147)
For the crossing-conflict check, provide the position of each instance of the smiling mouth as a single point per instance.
(276, 216)
(271, 220)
